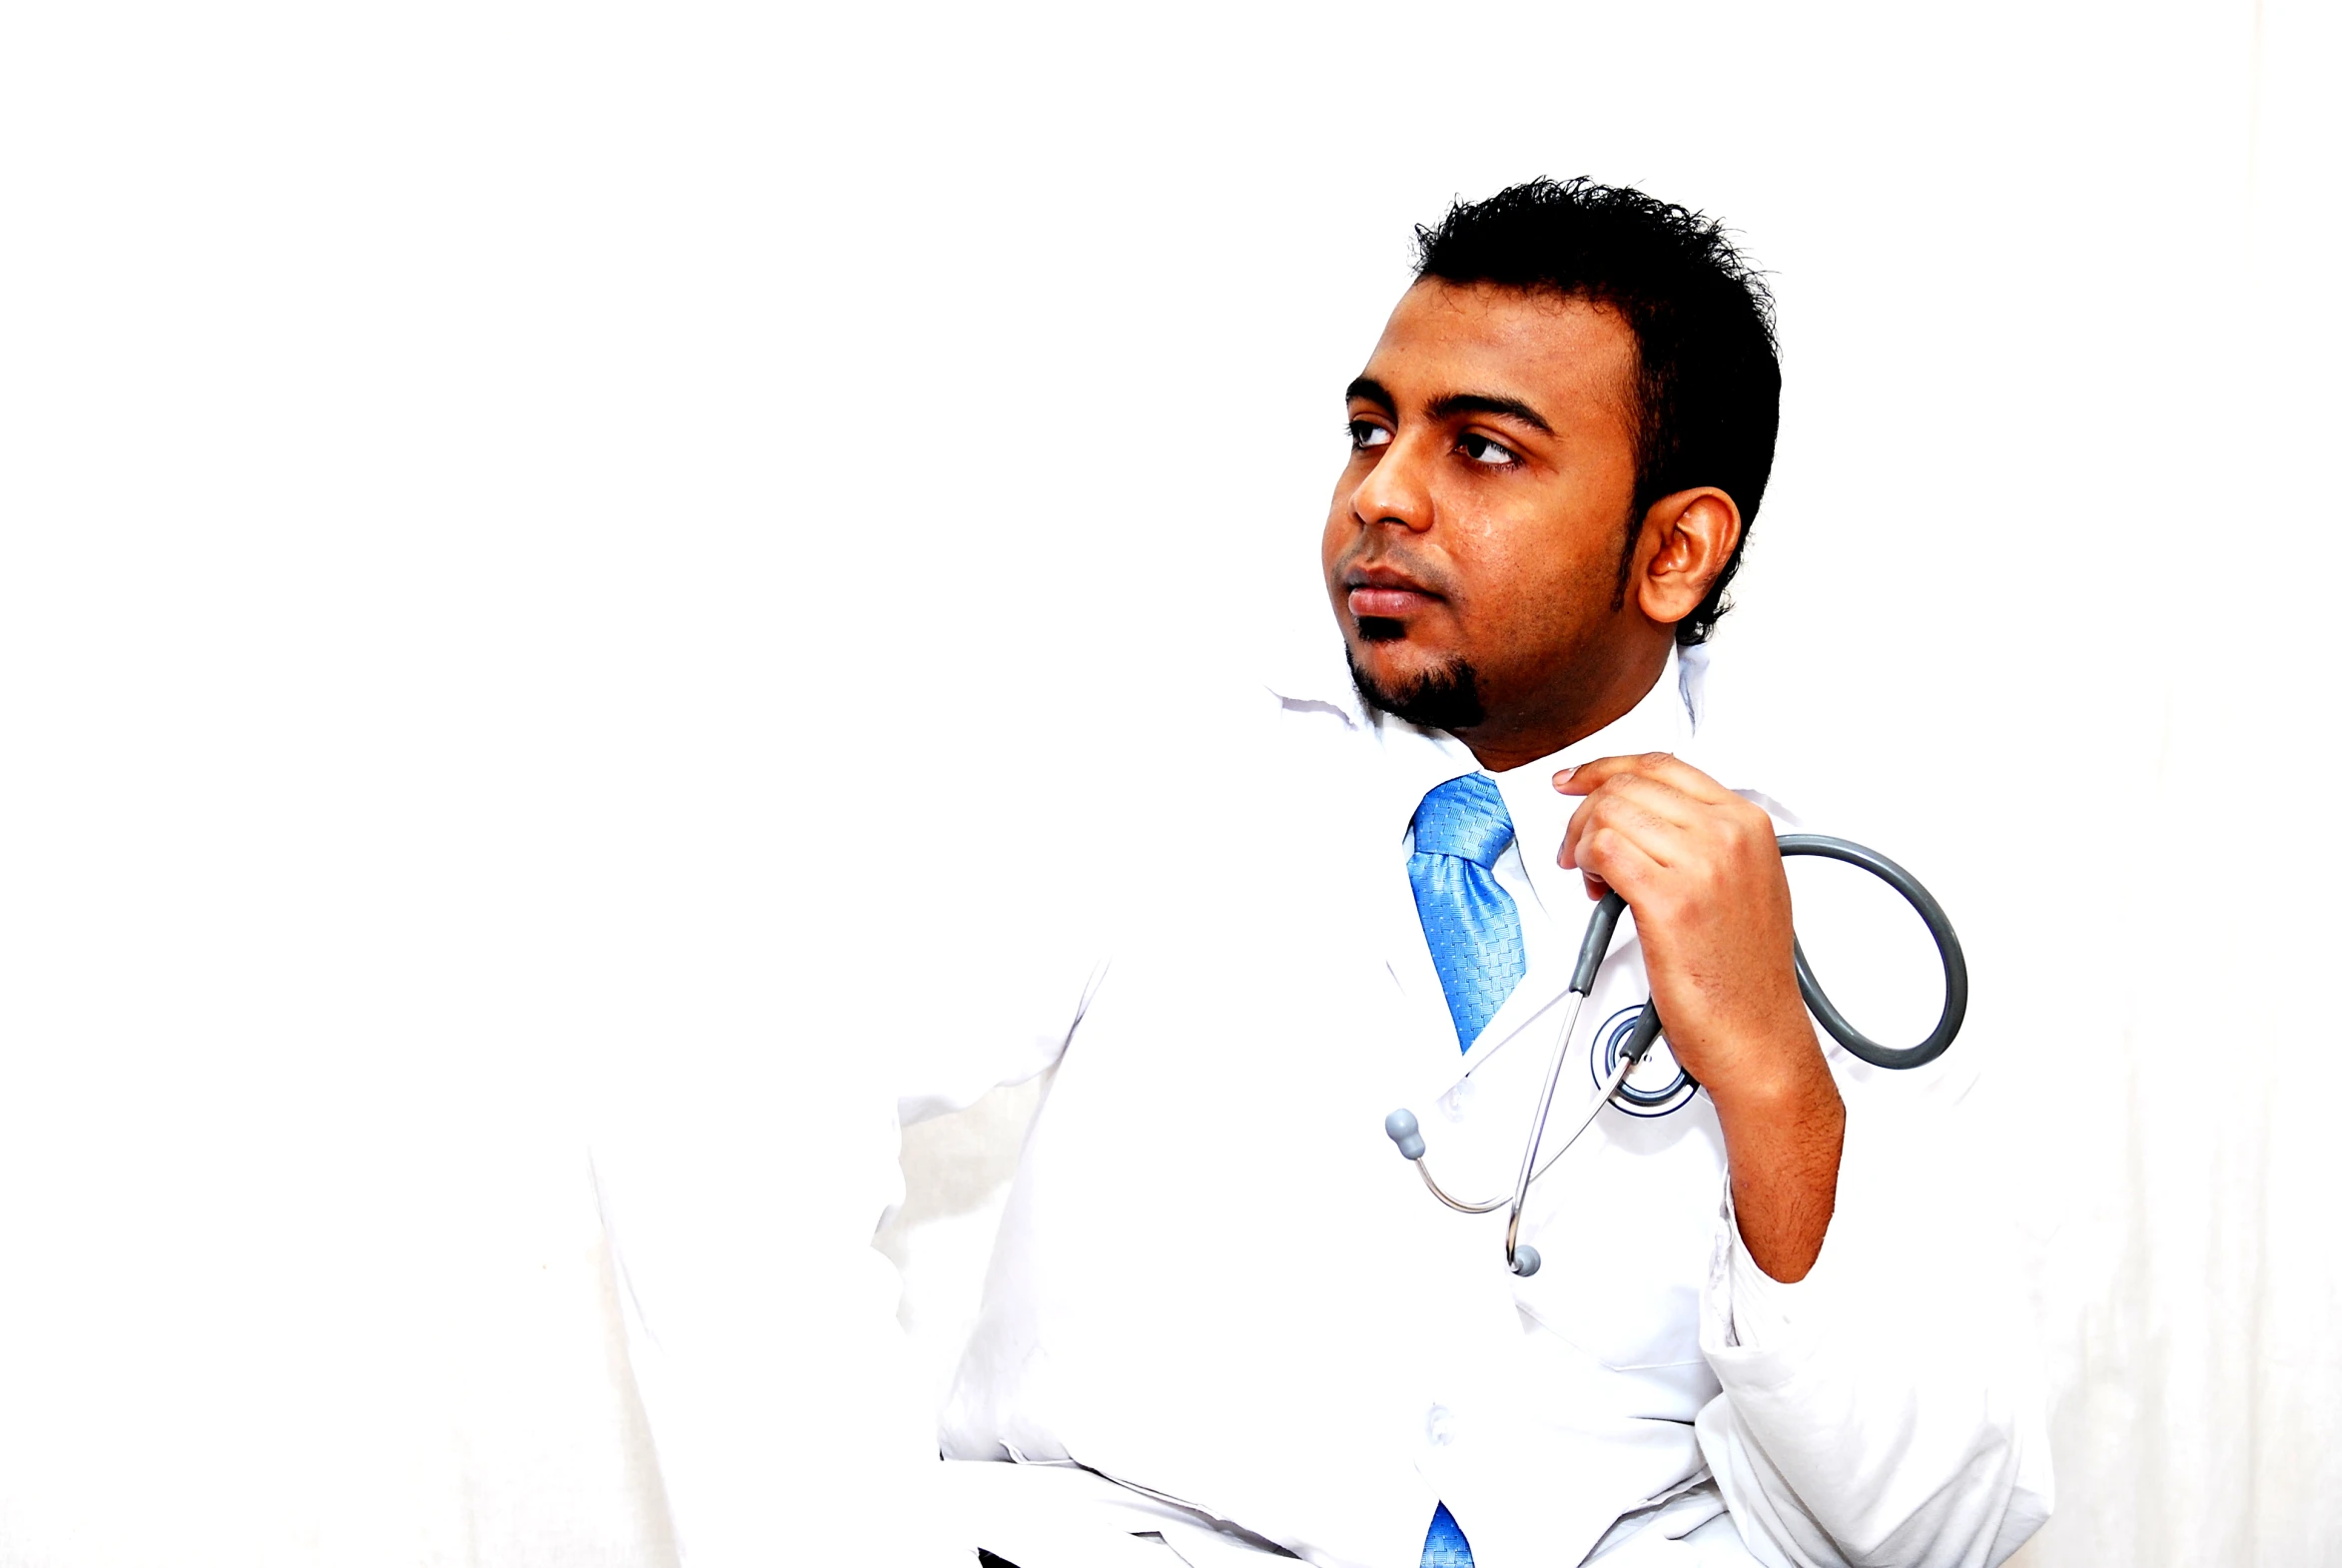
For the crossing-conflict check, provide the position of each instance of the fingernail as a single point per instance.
(1562, 777)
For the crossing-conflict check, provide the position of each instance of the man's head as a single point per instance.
(1558, 447)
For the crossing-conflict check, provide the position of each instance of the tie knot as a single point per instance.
(1464, 817)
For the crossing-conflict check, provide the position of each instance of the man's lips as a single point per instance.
(1379, 593)
(1388, 603)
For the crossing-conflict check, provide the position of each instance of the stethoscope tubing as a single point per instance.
(1938, 926)
(1601, 1099)
(1603, 925)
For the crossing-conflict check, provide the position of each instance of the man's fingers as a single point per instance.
(1662, 840)
(1629, 801)
(1663, 766)
(1612, 859)
(1657, 797)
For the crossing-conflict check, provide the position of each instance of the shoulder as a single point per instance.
(1264, 711)
(1867, 947)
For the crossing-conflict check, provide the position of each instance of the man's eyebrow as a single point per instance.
(1367, 389)
(1453, 404)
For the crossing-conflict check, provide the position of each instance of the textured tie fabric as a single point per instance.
(1445, 1546)
(1475, 937)
(1472, 923)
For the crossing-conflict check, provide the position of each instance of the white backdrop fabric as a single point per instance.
(539, 547)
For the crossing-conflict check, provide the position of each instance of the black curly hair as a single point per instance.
(1707, 382)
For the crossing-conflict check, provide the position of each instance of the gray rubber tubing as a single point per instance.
(1939, 927)
(1939, 923)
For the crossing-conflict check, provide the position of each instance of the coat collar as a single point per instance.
(1413, 760)
(1313, 674)
(1666, 719)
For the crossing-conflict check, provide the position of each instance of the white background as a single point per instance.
(517, 519)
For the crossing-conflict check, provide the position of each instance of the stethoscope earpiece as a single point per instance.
(1401, 1129)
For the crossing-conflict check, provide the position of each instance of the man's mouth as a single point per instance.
(1382, 593)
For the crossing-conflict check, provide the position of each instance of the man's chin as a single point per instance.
(1436, 693)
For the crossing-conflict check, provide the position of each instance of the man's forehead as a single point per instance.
(1541, 346)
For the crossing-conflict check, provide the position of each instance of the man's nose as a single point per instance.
(1396, 489)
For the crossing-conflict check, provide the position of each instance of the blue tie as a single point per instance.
(1475, 937)
(1445, 1546)
(1472, 923)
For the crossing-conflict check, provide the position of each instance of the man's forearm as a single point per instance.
(1701, 868)
(1781, 1141)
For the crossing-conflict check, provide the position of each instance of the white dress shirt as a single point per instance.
(1218, 1285)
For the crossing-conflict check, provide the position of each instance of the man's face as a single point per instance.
(1472, 552)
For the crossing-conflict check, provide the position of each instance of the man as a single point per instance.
(1220, 1311)
(1224, 1320)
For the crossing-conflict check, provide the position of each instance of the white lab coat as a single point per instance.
(1216, 1282)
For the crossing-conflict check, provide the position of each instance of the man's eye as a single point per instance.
(1481, 450)
(1365, 434)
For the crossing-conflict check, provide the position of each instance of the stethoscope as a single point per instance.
(1523, 1261)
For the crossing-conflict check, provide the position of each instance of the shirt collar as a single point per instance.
(1314, 675)
(1664, 720)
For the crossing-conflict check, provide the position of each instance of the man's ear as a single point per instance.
(1687, 539)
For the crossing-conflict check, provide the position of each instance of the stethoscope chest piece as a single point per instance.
(1653, 1087)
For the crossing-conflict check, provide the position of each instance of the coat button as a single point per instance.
(1440, 1426)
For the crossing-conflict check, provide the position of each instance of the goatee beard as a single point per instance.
(1445, 697)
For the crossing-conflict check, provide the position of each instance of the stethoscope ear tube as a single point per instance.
(1939, 927)
(1596, 943)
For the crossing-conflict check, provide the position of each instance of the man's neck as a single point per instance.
(1567, 711)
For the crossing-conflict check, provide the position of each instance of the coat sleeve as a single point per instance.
(1885, 1409)
(741, 1175)
(1000, 1019)
(1009, 940)
(756, 1323)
